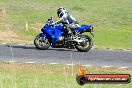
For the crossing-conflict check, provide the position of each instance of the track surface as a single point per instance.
(96, 57)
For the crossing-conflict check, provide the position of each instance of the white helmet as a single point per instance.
(61, 11)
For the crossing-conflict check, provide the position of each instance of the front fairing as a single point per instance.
(52, 32)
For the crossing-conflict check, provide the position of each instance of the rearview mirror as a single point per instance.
(50, 19)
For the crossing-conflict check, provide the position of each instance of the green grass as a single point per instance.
(51, 76)
(111, 18)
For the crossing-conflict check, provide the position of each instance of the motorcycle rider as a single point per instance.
(67, 20)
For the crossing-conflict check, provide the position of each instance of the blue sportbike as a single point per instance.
(55, 36)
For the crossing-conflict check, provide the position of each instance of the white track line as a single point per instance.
(53, 63)
(29, 62)
(126, 50)
(21, 44)
(11, 61)
(107, 66)
(4, 43)
(123, 67)
(70, 64)
(110, 49)
(87, 65)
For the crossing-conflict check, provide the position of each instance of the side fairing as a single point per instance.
(52, 32)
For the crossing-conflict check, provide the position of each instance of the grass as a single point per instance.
(51, 76)
(111, 19)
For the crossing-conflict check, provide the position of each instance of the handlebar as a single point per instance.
(49, 22)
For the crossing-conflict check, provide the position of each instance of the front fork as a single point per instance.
(92, 31)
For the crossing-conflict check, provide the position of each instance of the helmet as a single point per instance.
(61, 11)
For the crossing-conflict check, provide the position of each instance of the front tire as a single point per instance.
(87, 46)
(40, 43)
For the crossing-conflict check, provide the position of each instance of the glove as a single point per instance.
(53, 23)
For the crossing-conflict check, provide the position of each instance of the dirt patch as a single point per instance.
(36, 26)
(8, 36)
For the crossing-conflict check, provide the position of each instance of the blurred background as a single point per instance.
(21, 20)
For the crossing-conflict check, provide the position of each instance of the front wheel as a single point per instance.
(41, 43)
(86, 45)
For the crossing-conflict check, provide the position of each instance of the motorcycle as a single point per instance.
(55, 36)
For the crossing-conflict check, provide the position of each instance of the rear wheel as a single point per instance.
(86, 45)
(40, 43)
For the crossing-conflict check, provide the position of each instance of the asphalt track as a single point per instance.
(95, 57)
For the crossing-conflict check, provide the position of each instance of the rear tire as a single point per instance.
(40, 43)
(88, 44)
